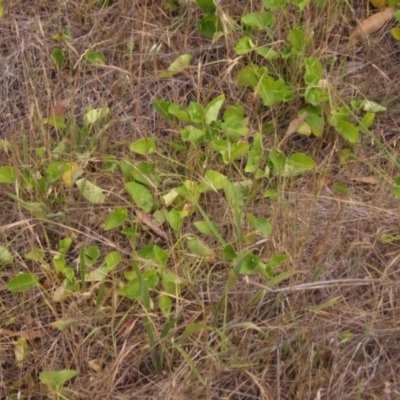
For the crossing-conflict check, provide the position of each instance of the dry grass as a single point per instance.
(330, 331)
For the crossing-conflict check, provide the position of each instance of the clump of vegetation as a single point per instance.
(199, 199)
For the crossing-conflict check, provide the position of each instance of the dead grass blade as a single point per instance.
(372, 24)
(30, 334)
(295, 124)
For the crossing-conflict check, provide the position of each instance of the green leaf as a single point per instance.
(234, 197)
(95, 57)
(397, 13)
(197, 247)
(368, 120)
(229, 253)
(249, 264)
(367, 105)
(174, 219)
(165, 304)
(172, 284)
(61, 37)
(207, 6)
(92, 254)
(192, 134)
(8, 174)
(140, 195)
(98, 275)
(143, 146)
(22, 283)
(348, 131)
(212, 109)
(116, 218)
(206, 227)
(179, 65)
(300, 160)
(244, 45)
(162, 108)
(313, 72)
(56, 122)
(6, 257)
(56, 379)
(196, 112)
(278, 160)
(259, 20)
(93, 115)
(297, 39)
(274, 4)
(90, 191)
(273, 91)
(179, 112)
(154, 253)
(57, 58)
(33, 255)
(235, 129)
(267, 52)
(250, 75)
(64, 245)
(215, 179)
(57, 169)
(112, 260)
(255, 154)
(264, 226)
(131, 290)
(209, 25)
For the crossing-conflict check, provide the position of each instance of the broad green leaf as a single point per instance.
(273, 91)
(33, 255)
(143, 146)
(56, 379)
(93, 115)
(250, 75)
(57, 58)
(313, 72)
(196, 112)
(165, 304)
(197, 247)
(209, 25)
(368, 120)
(154, 253)
(234, 197)
(179, 112)
(95, 57)
(300, 160)
(244, 45)
(367, 105)
(22, 283)
(229, 253)
(264, 226)
(112, 260)
(255, 153)
(278, 160)
(215, 179)
(6, 257)
(98, 275)
(235, 129)
(267, 52)
(162, 108)
(64, 245)
(297, 39)
(212, 109)
(259, 20)
(235, 151)
(397, 13)
(146, 173)
(174, 219)
(207, 6)
(92, 254)
(348, 131)
(116, 218)
(57, 169)
(192, 134)
(140, 195)
(90, 191)
(274, 4)
(171, 283)
(59, 263)
(271, 194)
(301, 4)
(179, 65)
(206, 227)
(235, 113)
(131, 290)
(249, 264)
(8, 174)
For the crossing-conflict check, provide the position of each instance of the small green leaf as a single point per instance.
(22, 283)
(179, 65)
(92, 254)
(116, 218)
(274, 4)
(33, 255)
(95, 57)
(93, 115)
(206, 227)
(273, 91)
(154, 253)
(90, 191)
(207, 6)
(259, 20)
(196, 112)
(165, 304)
(57, 58)
(264, 226)
(395, 33)
(368, 120)
(61, 37)
(172, 284)
(56, 379)
(249, 264)
(140, 195)
(341, 188)
(162, 108)
(143, 146)
(112, 260)
(174, 219)
(348, 131)
(64, 245)
(300, 160)
(271, 194)
(229, 253)
(212, 109)
(244, 45)
(255, 154)
(57, 169)
(197, 247)
(8, 174)
(209, 25)
(59, 263)
(215, 179)
(6, 257)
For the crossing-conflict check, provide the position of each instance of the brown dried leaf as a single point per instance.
(372, 24)
(295, 124)
(30, 334)
(59, 108)
(369, 180)
(148, 220)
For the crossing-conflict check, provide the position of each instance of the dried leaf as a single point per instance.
(295, 124)
(372, 24)
(369, 180)
(59, 108)
(148, 220)
(30, 334)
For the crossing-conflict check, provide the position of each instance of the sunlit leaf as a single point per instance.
(90, 191)
(22, 283)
